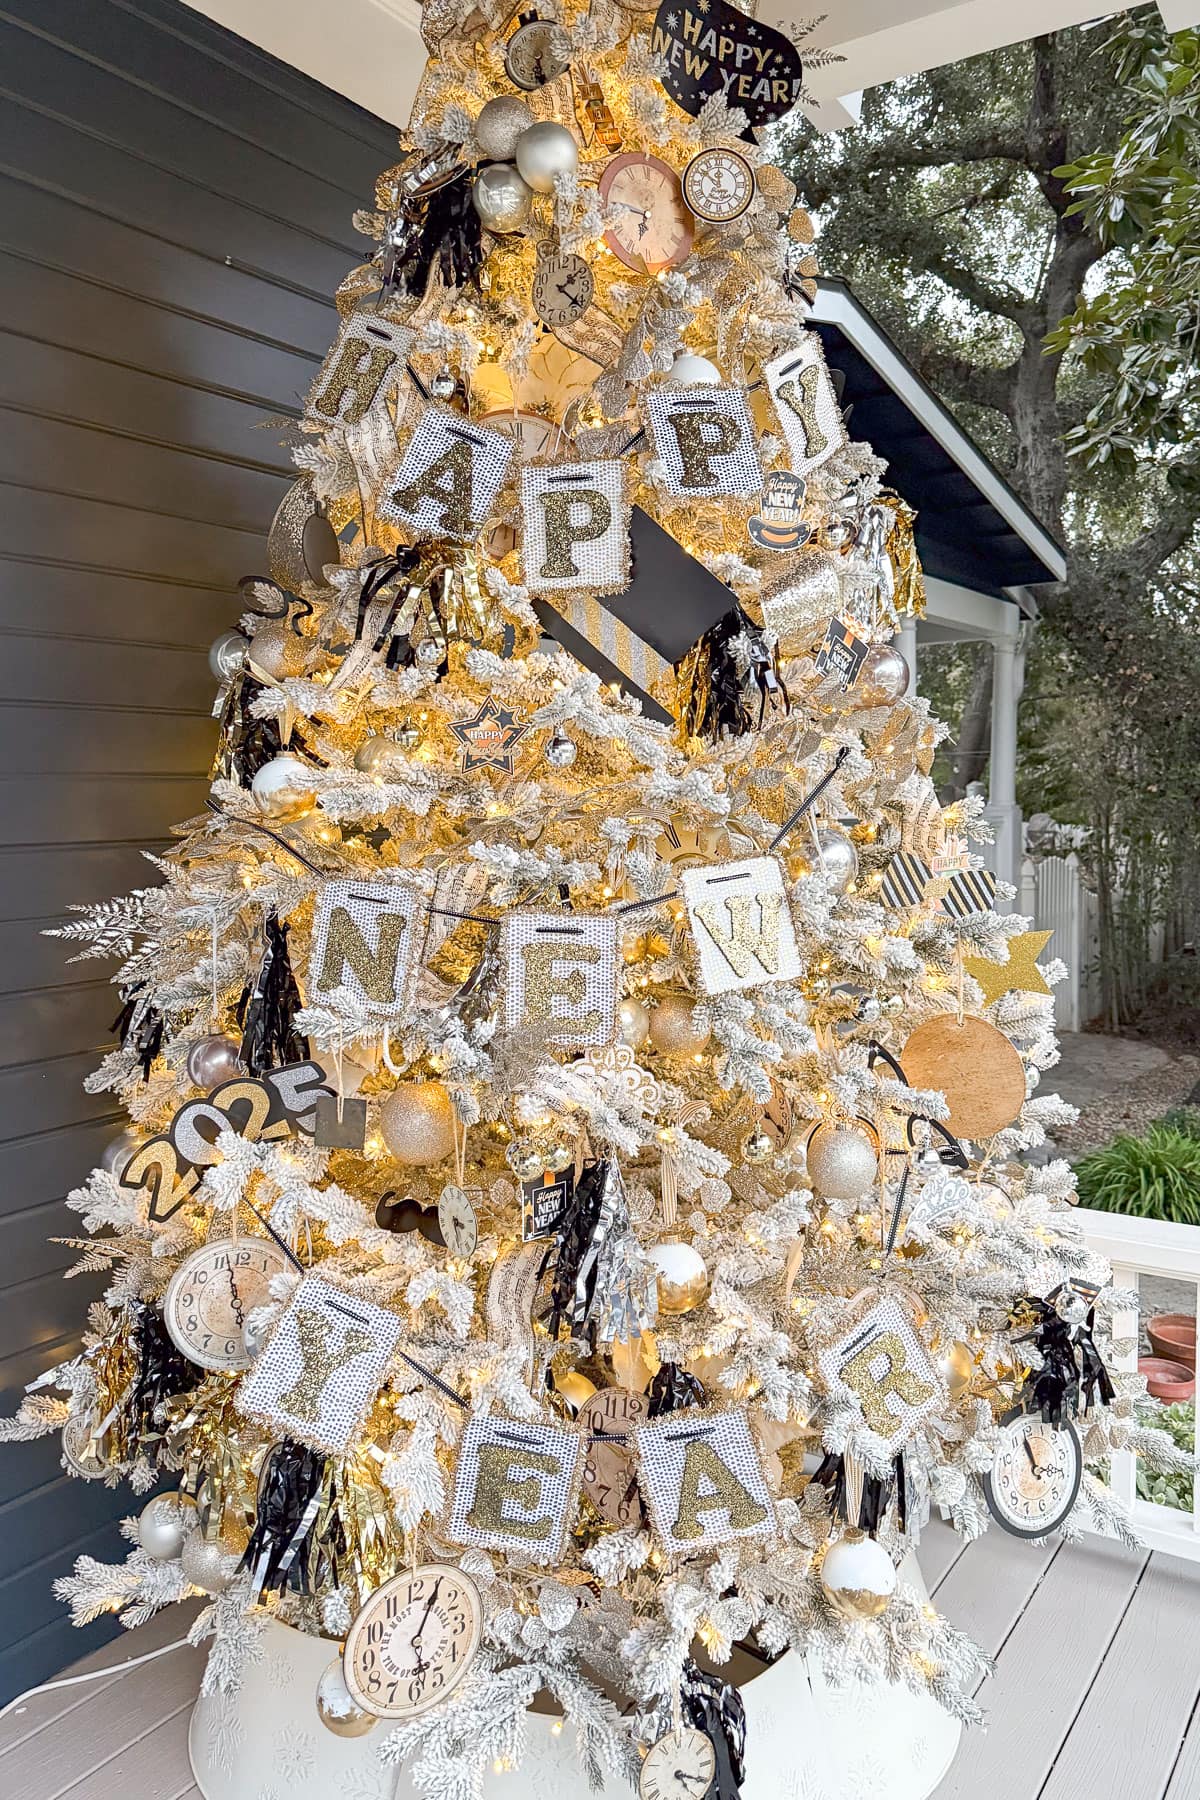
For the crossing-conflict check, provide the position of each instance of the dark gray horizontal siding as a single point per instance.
(175, 213)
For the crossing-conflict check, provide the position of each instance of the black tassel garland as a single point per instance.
(289, 1502)
(245, 743)
(573, 1285)
(673, 1388)
(442, 231)
(140, 1021)
(162, 1372)
(1072, 1377)
(715, 1707)
(878, 1492)
(267, 1012)
(730, 667)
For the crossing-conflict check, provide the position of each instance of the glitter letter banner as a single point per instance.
(880, 1365)
(576, 520)
(449, 476)
(363, 939)
(702, 1480)
(515, 1488)
(365, 361)
(322, 1367)
(806, 402)
(561, 973)
(742, 924)
(703, 438)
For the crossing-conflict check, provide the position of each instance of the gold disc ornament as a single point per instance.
(974, 1065)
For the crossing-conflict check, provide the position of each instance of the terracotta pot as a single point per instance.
(1167, 1380)
(1173, 1335)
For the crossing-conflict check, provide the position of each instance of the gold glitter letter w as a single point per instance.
(730, 923)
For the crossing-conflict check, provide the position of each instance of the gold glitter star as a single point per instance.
(488, 738)
(1020, 971)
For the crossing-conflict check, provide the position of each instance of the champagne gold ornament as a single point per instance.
(164, 1524)
(974, 1065)
(883, 678)
(212, 1060)
(633, 1023)
(843, 1161)
(858, 1577)
(209, 1564)
(337, 1708)
(417, 1121)
(500, 124)
(276, 650)
(682, 1275)
(674, 1030)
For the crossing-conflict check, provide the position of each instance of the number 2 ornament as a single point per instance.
(210, 1294)
(1035, 1476)
(413, 1641)
(680, 1766)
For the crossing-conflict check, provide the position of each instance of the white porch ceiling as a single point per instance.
(370, 50)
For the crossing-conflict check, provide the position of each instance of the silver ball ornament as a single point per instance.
(337, 1708)
(283, 788)
(116, 1153)
(164, 1524)
(227, 654)
(207, 1563)
(443, 383)
(1072, 1307)
(212, 1060)
(500, 124)
(544, 151)
(843, 1163)
(501, 198)
(561, 750)
(858, 1577)
(417, 1122)
(837, 860)
(633, 1023)
(690, 370)
(883, 677)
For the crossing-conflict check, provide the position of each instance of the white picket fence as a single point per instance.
(1055, 894)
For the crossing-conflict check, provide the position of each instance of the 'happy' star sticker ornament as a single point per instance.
(1020, 971)
(488, 740)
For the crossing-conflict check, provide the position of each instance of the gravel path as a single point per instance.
(1128, 1108)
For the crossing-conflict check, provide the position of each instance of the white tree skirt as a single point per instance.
(805, 1740)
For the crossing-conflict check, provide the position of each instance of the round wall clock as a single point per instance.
(647, 223)
(610, 1470)
(210, 1294)
(563, 286)
(1034, 1479)
(718, 185)
(680, 1766)
(537, 52)
(412, 1641)
(460, 1227)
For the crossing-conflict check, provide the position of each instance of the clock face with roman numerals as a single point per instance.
(718, 185)
(413, 1641)
(610, 1470)
(1034, 1480)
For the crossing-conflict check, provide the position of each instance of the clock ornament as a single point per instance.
(413, 1641)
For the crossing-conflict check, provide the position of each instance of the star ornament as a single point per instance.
(488, 740)
(1020, 972)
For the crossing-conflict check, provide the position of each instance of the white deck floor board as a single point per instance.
(990, 1584)
(939, 1550)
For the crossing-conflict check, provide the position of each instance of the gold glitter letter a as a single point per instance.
(321, 1362)
(896, 1379)
(449, 483)
(721, 1492)
(359, 373)
(799, 395)
(729, 924)
(376, 970)
(701, 436)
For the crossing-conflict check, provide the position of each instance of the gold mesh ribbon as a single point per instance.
(901, 546)
(217, 1454)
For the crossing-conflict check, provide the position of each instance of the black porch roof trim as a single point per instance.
(972, 528)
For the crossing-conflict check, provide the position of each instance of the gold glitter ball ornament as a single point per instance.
(858, 1577)
(337, 1708)
(209, 1564)
(682, 1275)
(276, 650)
(674, 1030)
(417, 1121)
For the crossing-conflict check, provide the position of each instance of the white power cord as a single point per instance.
(132, 1662)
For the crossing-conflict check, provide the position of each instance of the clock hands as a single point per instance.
(1029, 1454)
(416, 1640)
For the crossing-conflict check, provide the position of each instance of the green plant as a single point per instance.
(1171, 1487)
(1156, 1176)
(1183, 1118)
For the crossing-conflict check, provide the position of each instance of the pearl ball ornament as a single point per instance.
(501, 198)
(227, 654)
(858, 1577)
(544, 151)
(682, 1275)
(956, 1366)
(633, 1023)
(690, 370)
(417, 1121)
(561, 750)
(212, 1060)
(337, 1708)
(276, 650)
(164, 1524)
(208, 1563)
(674, 1030)
(283, 788)
(838, 859)
(116, 1153)
(883, 677)
(843, 1163)
(499, 125)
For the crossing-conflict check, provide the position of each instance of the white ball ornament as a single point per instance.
(164, 1525)
(843, 1163)
(858, 1576)
(501, 198)
(227, 655)
(337, 1708)
(682, 1275)
(690, 370)
(207, 1563)
(212, 1060)
(633, 1023)
(116, 1153)
(283, 788)
(545, 151)
(500, 124)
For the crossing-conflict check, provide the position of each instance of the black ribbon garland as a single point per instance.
(1072, 1377)
(162, 1372)
(267, 1012)
(289, 1499)
(715, 1707)
(672, 1389)
(720, 701)
(140, 1020)
(878, 1493)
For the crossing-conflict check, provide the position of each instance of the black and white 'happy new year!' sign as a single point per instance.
(715, 49)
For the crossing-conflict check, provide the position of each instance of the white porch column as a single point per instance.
(1003, 813)
(905, 641)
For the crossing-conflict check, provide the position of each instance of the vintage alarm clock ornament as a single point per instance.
(210, 1294)
(718, 185)
(1035, 1475)
(647, 224)
(537, 52)
(413, 1641)
(610, 1470)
